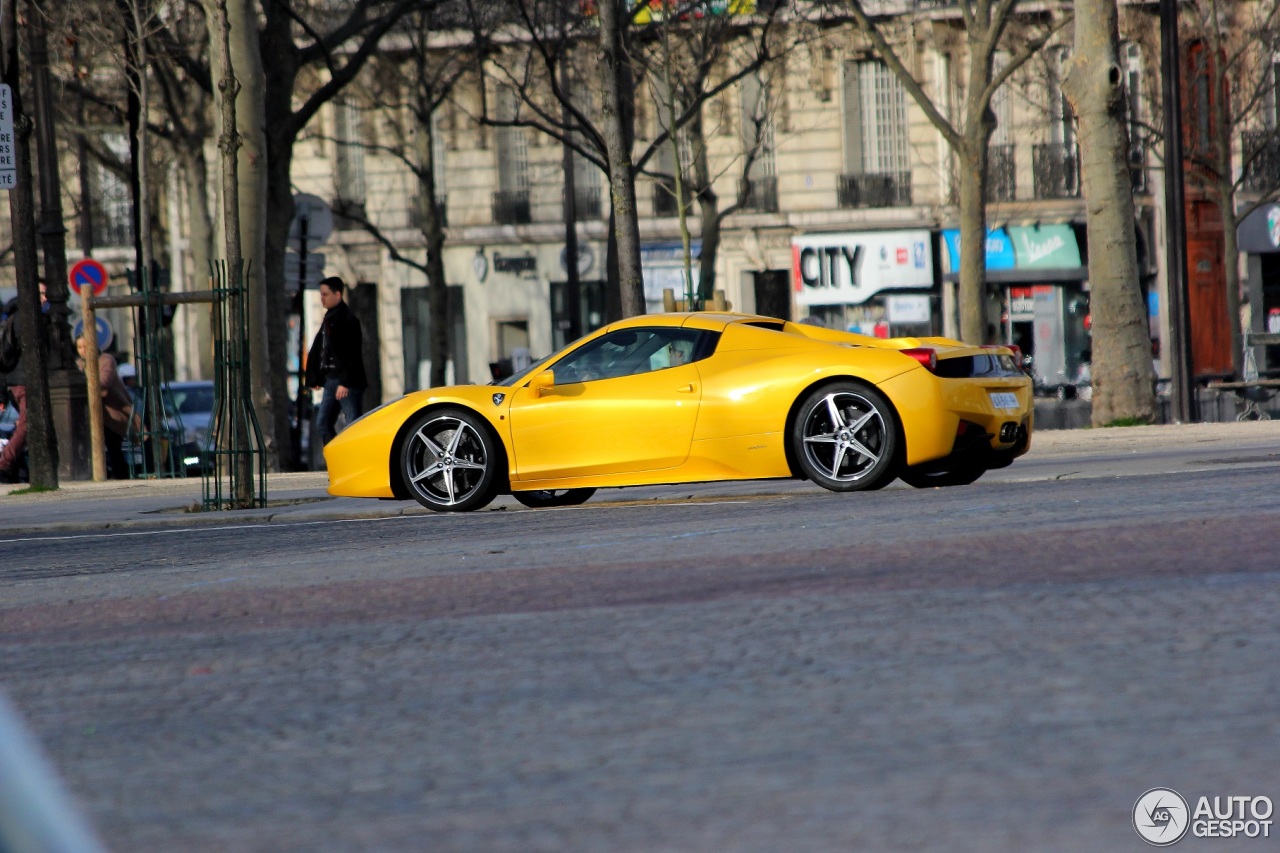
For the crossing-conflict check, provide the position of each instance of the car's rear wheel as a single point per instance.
(450, 461)
(845, 437)
(542, 498)
(960, 475)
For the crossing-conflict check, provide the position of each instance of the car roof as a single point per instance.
(710, 320)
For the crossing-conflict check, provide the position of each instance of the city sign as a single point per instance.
(8, 166)
(848, 269)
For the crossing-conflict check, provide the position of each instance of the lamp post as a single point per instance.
(1183, 384)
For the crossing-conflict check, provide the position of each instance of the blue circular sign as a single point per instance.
(105, 333)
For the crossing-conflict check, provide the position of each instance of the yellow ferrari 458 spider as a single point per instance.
(683, 398)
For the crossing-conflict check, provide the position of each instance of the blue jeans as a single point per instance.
(327, 411)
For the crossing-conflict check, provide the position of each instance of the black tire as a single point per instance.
(450, 461)
(542, 498)
(845, 437)
(960, 475)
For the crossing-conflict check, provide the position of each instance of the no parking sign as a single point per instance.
(105, 333)
(88, 274)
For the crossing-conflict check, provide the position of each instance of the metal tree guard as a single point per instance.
(237, 477)
(157, 443)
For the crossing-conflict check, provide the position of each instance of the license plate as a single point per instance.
(1004, 400)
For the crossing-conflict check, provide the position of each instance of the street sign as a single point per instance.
(318, 216)
(106, 334)
(315, 271)
(8, 166)
(88, 273)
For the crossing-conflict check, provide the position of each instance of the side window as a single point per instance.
(628, 352)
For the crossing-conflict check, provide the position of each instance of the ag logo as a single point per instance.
(1160, 816)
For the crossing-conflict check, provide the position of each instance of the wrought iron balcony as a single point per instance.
(348, 214)
(762, 194)
(1138, 167)
(1262, 159)
(1002, 173)
(112, 226)
(1056, 168)
(874, 189)
(664, 198)
(418, 220)
(586, 203)
(511, 207)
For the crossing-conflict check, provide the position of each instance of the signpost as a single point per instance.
(88, 274)
(8, 166)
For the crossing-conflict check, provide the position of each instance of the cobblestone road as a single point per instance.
(1006, 666)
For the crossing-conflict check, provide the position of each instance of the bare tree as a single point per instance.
(414, 77)
(1123, 381)
(708, 51)
(989, 25)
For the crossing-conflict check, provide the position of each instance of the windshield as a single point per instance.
(190, 400)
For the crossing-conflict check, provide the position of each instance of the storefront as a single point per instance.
(1045, 293)
(1259, 240)
(878, 283)
(662, 267)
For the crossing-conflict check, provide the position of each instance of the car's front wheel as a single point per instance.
(542, 498)
(450, 461)
(845, 437)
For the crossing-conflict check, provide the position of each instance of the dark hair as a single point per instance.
(333, 283)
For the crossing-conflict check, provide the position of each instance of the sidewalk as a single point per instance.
(303, 497)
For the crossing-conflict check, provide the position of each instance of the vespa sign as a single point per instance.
(850, 268)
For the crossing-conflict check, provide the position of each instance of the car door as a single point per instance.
(622, 403)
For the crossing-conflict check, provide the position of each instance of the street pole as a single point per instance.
(66, 388)
(1183, 381)
(296, 437)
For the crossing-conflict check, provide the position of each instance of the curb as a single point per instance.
(209, 520)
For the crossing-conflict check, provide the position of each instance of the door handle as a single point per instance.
(685, 389)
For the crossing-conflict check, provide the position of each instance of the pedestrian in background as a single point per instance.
(334, 362)
(16, 380)
(117, 409)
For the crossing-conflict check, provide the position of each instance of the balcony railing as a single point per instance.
(511, 207)
(762, 194)
(1262, 159)
(875, 189)
(1002, 173)
(418, 220)
(586, 203)
(112, 227)
(348, 214)
(664, 198)
(1056, 168)
(1138, 167)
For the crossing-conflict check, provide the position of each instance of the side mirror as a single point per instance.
(543, 382)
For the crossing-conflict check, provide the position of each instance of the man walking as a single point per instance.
(334, 362)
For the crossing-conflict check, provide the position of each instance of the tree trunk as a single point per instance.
(433, 231)
(267, 355)
(1123, 382)
(616, 116)
(974, 328)
(1231, 277)
(195, 170)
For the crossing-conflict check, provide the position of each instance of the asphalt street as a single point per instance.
(1005, 666)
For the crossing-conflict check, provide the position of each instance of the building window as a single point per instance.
(1054, 164)
(758, 144)
(877, 160)
(1131, 62)
(1002, 174)
(348, 165)
(112, 211)
(511, 201)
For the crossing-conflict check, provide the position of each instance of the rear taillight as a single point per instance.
(926, 356)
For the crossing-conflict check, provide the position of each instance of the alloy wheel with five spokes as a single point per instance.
(845, 437)
(450, 461)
